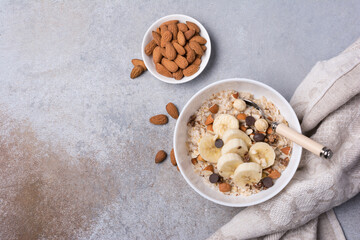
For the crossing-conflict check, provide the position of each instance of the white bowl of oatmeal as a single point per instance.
(225, 149)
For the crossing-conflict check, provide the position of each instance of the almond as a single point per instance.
(269, 118)
(179, 49)
(163, 29)
(172, 110)
(172, 157)
(170, 51)
(165, 37)
(178, 75)
(199, 158)
(209, 128)
(170, 22)
(224, 187)
(139, 62)
(194, 161)
(286, 150)
(136, 71)
(197, 61)
(189, 34)
(156, 37)
(160, 156)
(214, 108)
(235, 95)
(163, 51)
(275, 174)
(190, 54)
(190, 70)
(181, 38)
(209, 168)
(182, 27)
(181, 61)
(209, 120)
(243, 128)
(241, 116)
(157, 56)
(197, 48)
(162, 70)
(169, 65)
(174, 30)
(204, 48)
(150, 47)
(198, 39)
(193, 26)
(269, 130)
(160, 119)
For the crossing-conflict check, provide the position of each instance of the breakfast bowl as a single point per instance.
(185, 160)
(148, 60)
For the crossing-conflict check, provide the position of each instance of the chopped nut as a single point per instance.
(284, 161)
(194, 161)
(273, 138)
(191, 121)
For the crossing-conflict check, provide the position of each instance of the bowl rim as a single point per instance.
(203, 63)
(297, 127)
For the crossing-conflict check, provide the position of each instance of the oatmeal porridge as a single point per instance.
(233, 148)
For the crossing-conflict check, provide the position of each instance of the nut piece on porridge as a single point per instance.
(233, 148)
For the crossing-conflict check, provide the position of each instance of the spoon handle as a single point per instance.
(302, 140)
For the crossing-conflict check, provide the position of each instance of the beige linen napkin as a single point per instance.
(327, 103)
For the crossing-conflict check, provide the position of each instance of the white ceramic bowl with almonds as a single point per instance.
(149, 61)
(258, 90)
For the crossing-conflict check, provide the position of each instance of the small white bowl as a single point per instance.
(149, 60)
(183, 159)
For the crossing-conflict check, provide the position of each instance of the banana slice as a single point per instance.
(263, 154)
(235, 145)
(227, 164)
(247, 173)
(236, 133)
(224, 122)
(207, 149)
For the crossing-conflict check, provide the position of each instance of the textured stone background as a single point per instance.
(76, 149)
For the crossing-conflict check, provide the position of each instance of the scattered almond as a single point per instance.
(214, 108)
(241, 116)
(172, 157)
(172, 110)
(199, 158)
(235, 95)
(269, 130)
(160, 119)
(194, 161)
(162, 70)
(193, 26)
(160, 156)
(284, 161)
(149, 48)
(224, 187)
(209, 120)
(275, 174)
(139, 62)
(190, 70)
(209, 168)
(136, 71)
(169, 65)
(286, 150)
(181, 61)
(243, 128)
(269, 118)
(178, 75)
(209, 128)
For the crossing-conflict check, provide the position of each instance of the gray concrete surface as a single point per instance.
(76, 147)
